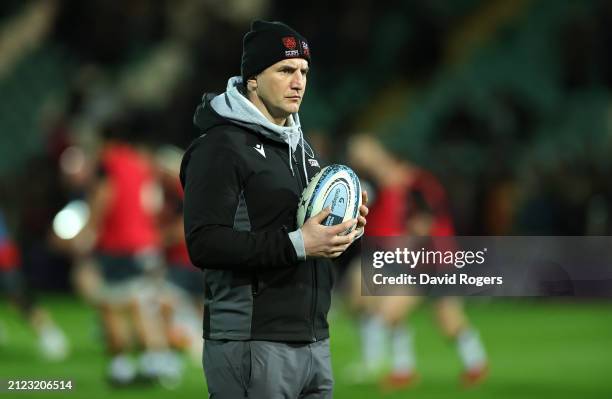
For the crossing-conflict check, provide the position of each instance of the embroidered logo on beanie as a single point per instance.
(290, 42)
(305, 49)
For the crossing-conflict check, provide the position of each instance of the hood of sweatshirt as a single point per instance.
(234, 107)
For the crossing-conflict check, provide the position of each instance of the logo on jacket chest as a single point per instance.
(314, 163)
(260, 149)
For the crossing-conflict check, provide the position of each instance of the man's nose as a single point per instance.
(298, 81)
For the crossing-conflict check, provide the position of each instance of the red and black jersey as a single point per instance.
(429, 188)
(387, 217)
(176, 253)
(129, 222)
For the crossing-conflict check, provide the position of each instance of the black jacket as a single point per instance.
(241, 200)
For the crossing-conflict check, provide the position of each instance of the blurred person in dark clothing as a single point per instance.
(409, 202)
(182, 301)
(52, 340)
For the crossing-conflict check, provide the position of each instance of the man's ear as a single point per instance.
(251, 84)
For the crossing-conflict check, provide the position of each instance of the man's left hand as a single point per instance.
(363, 212)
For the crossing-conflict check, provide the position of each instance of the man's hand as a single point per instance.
(363, 212)
(324, 241)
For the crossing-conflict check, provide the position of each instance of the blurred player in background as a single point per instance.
(52, 341)
(122, 234)
(183, 295)
(409, 202)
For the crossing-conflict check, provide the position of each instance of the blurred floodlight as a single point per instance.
(70, 221)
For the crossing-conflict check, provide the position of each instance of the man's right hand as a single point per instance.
(324, 241)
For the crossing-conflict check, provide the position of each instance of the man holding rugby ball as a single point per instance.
(268, 283)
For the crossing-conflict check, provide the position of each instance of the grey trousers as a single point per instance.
(267, 370)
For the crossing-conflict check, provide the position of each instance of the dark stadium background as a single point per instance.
(508, 102)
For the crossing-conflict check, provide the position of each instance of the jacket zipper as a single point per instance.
(254, 283)
(313, 269)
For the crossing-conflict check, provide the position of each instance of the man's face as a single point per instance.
(281, 86)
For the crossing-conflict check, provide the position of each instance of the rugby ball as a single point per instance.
(336, 186)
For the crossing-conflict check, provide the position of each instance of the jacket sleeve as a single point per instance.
(213, 177)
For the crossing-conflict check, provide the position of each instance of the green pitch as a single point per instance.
(538, 349)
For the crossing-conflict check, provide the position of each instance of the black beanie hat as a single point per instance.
(269, 42)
